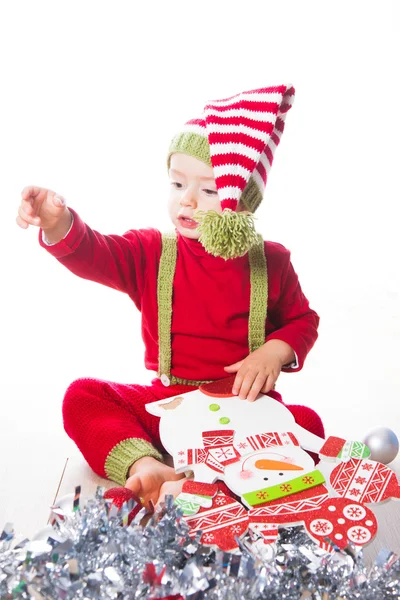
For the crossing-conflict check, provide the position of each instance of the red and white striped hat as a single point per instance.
(237, 136)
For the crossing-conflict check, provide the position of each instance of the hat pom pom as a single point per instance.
(228, 234)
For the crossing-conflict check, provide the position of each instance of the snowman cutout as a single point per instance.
(225, 438)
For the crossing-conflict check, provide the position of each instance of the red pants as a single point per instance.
(98, 415)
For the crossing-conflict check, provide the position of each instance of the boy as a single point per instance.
(215, 299)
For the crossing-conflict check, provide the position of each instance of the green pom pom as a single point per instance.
(228, 234)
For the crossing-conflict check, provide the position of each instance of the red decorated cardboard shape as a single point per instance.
(268, 531)
(290, 510)
(222, 388)
(121, 495)
(332, 447)
(221, 524)
(337, 449)
(342, 521)
(325, 519)
(364, 481)
(200, 489)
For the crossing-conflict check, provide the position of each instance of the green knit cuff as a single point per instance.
(124, 454)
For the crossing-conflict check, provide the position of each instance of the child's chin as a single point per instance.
(193, 234)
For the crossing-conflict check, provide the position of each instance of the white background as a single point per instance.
(92, 92)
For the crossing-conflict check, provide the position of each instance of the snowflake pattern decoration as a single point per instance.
(262, 495)
(308, 480)
(286, 487)
(368, 467)
(321, 526)
(354, 512)
(359, 534)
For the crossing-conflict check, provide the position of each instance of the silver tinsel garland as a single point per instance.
(94, 555)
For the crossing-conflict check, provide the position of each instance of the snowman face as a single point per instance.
(266, 468)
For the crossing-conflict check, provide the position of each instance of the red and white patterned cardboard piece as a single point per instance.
(200, 489)
(218, 452)
(221, 388)
(331, 448)
(204, 501)
(183, 459)
(364, 481)
(291, 509)
(220, 524)
(219, 445)
(268, 531)
(337, 449)
(342, 521)
(259, 441)
(188, 506)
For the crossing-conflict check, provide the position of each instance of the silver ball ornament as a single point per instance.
(383, 443)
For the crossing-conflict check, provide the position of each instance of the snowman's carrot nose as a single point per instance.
(276, 465)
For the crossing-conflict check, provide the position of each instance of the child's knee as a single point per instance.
(75, 395)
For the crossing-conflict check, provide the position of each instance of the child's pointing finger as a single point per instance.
(29, 192)
(27, 218)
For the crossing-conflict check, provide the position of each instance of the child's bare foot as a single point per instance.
(150, 479)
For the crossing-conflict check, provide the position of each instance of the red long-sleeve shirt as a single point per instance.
(211, 297)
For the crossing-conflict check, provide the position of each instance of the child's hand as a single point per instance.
(260, 370)
(45, 209)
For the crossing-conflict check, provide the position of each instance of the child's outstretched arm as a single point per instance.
(117, 261)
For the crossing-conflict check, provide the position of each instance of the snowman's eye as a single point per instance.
(280, 473)
(265, 478)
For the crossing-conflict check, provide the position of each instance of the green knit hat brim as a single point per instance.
(190, 143)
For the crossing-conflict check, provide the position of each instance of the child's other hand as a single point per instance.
(260, 370)
(43, 208)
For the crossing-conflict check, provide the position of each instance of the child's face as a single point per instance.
(192, 188)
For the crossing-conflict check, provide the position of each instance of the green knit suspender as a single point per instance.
(166, 272)
(165, 281)
(258, 295)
